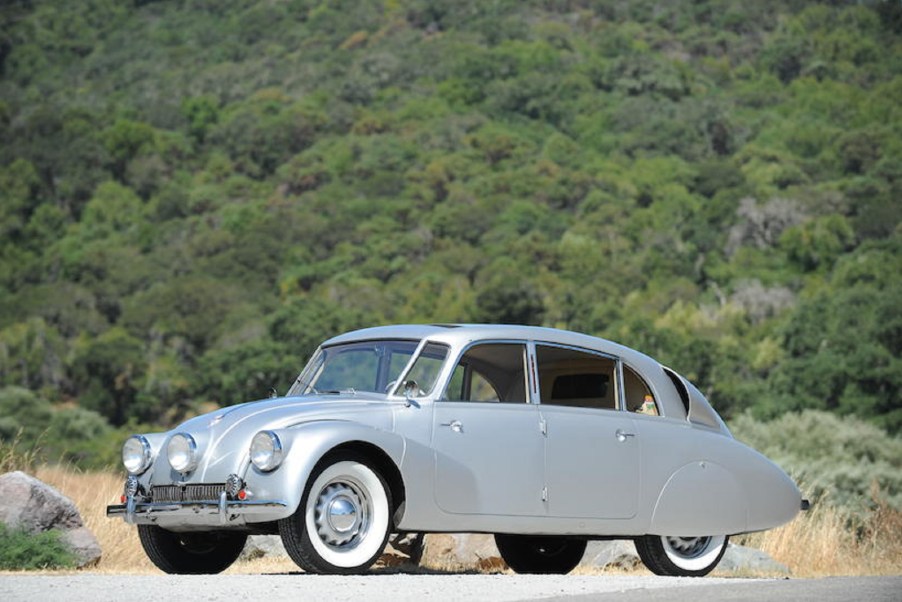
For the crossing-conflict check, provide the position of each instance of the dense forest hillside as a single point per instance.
(194, 193)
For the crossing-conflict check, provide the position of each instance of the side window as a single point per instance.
(490, 372)
(425, 370)
(638, 396)
(569, 377)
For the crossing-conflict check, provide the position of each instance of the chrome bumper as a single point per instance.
(134, 511)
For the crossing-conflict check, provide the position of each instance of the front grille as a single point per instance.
(186, 493)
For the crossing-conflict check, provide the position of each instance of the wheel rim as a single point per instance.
(687, 547)
(347, 516)
(342, 514)
(195, 544)
(548, 548)
(694, 553)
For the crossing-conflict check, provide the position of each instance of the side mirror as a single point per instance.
(411, 390)
(273, 393)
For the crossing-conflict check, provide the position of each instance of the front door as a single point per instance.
(487, 438)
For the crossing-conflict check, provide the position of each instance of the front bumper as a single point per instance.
(137, 511)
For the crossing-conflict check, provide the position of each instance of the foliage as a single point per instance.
(21, 550)
(839, 461)
(714, 182)
(33, 430)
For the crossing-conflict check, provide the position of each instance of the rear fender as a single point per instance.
(700, 498)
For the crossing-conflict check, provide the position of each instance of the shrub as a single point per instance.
(839, 460)
(20, 550)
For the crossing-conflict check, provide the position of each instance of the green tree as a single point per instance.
(109, 371)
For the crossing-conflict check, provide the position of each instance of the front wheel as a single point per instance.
(681, 556)
(194, 553)
(343, 521)
(540, 554)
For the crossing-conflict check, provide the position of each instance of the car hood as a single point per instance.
(223, 437)
(285, 412)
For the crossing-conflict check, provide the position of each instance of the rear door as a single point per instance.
(591, 446)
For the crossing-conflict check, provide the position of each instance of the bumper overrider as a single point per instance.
(229, 500)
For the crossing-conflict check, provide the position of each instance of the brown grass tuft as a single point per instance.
(825, 541)
(92, 492)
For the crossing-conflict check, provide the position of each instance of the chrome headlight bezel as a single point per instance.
(266, 451)
(182, 452)
(137, 454)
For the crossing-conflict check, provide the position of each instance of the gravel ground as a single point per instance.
(405, 587)
(373, 588)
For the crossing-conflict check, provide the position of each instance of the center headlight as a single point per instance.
(182, 452)
(266, 450)
(136, 454)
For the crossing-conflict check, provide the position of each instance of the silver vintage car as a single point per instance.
(543, 437)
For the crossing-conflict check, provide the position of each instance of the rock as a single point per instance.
(259, 546)
(27, 503)
(84, 545)
(617, 553)
(461, 551)
(740, 559)
(407, 546)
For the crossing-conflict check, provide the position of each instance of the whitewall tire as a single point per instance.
(343, 521)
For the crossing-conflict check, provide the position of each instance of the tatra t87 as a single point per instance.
(543, 437)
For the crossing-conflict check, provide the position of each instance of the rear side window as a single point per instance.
(637, 394)
(574, 378)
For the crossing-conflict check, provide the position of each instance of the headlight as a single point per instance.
(136, 454)
(266, 450)
(182, 452)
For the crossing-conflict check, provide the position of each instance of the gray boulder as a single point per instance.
(260, 546)
(740, 559)
(460, 551)
(27, 503)
(619, 553)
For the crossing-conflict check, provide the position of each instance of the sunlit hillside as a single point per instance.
(194, 194)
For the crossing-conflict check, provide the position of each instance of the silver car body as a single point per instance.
(525, 466)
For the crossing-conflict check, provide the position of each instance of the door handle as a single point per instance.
(622, 435)
(455, 425)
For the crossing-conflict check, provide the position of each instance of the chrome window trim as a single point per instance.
(450, 365)
(618, 376)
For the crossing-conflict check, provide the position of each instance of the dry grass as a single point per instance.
(826, 541)
(820, 542)
(92, 492)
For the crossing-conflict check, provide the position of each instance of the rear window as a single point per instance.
(577, 386)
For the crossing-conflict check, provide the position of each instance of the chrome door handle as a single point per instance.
(455, 425)
(622, 435)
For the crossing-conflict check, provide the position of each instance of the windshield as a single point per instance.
(371, 366)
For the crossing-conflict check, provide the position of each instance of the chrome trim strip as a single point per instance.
(223, 508)
(133, 509)
(129, 510)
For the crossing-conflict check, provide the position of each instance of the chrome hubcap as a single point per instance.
(341, 514)
(688, 547)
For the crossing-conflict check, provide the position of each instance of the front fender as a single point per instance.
(303, 447)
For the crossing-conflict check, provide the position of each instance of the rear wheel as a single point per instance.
(191, 553)
(681, 556)
(343, 521)
(540, 554)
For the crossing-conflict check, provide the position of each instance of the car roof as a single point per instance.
(464, 334)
